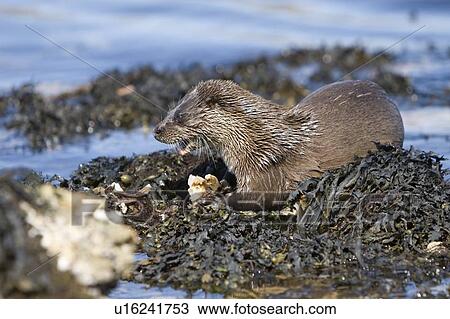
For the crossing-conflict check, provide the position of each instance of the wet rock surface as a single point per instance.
(51, 248)
(105, 104)
(20, 255)
(378, 227)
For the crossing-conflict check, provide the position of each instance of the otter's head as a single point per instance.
(200, 118)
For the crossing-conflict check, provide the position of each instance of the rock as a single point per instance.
(437, 248)
(126, 179)
(94, 245)
(50, 247)
(26, 270)
(125, 90)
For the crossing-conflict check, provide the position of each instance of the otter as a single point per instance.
(270, 147)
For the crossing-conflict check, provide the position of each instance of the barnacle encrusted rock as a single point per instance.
(54, 243)
(92, 244)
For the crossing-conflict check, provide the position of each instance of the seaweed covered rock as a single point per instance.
(51, 247)
(385, 211)
(163, 171)
(378, 225)
(393, 201)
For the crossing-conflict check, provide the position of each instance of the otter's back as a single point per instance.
(351, 116)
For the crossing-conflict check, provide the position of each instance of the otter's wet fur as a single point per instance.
(270, 147)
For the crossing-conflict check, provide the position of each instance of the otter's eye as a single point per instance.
(177, 117)
(211, 101)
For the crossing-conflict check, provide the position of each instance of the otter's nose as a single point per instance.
(158, 130)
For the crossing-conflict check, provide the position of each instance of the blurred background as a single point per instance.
(105, 35)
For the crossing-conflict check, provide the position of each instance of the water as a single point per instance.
(66, 158)
(120, 34)
(428, 129)
(123, 34)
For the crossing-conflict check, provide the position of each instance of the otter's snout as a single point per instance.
(158, 131)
